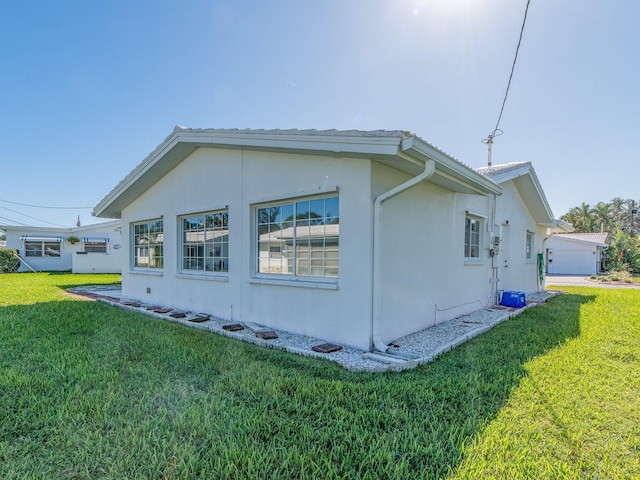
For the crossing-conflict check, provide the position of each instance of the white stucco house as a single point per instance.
(84, 249)
(355, 237)
(576, 253)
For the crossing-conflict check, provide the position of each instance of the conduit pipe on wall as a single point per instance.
(375, 342)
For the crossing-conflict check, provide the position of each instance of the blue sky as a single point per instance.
(89, 88)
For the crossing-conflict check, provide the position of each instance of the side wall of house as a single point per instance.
(425, 279)
(42, 264)
(68, 251)
(238, 180)
(516, 272)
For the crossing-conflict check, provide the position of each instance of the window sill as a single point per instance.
(198, 276)
(472, 261)
(146, 272)
(333, 285)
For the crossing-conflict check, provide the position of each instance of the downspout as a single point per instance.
(375, 342)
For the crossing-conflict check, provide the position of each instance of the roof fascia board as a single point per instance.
(578, 240)
(534, 183)
(449, 168)
(332, 145)
(21, 228)
(340, 145)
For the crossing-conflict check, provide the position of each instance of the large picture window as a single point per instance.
(299, 238)
(205, 242)
(41, 248)
(148, 244)
(472, 229)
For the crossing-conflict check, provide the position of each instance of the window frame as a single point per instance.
(223, 245)
(93, 246)
(43, 248)
(299, 260)
(468, 246)
(135, 266)
(529, 244)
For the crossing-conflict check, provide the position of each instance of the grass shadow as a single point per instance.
(153, 393)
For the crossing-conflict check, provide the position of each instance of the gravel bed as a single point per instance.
(407, 352)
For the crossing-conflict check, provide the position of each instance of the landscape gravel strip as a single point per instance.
(409, 351)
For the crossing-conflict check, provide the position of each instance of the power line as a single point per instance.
(496, 131)
(20, 224)
(43, 206)
(34, 218)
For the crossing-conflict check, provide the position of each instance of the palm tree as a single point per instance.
(581, 218)
(601, 214)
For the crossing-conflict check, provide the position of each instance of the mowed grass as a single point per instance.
(92, 391)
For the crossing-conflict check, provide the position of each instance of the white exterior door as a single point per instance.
(504, 259)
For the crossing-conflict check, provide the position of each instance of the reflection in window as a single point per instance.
(205, 242)
(148, 244)
(529, 246)
(472, 237)
(41, 249)
(95, 247)
(299, 238)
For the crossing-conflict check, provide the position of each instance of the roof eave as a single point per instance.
(397, 148)
(449, 172)
(182, 142)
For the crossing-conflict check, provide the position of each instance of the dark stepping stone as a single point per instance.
(200, 318)
(326, 348)
(267, 335)
(233, 327)
(178, 314)
(163, 310)
(152, 307)
(131, 304)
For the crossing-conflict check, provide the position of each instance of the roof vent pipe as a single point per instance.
(375, 342)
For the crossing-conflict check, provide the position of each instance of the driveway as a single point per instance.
(582, 281)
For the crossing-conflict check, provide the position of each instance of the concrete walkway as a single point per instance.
(583, 281)
(406, 352)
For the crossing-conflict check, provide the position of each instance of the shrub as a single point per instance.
(621, 276)
(8, 261)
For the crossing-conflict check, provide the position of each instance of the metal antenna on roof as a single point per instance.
(489, 141)
(496, 131)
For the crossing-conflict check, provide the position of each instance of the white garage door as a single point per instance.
(573, 263)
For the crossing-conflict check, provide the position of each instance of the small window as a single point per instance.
(148, 244)
(95, 246)
(472, 229)
(205, 242)
(299, 238)
(529, 246)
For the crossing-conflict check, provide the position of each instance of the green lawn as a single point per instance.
(91, 391)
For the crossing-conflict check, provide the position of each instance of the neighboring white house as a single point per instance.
(97, 249)
(354, 237)
(576, 253)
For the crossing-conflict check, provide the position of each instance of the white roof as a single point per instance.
(526, 181)
(596, 238)
(399, 149)
(61, 230)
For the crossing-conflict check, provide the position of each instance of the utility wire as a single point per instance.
(496, 131)
(43, 206)
(513, 66)
(20, 224)
(34, 218)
